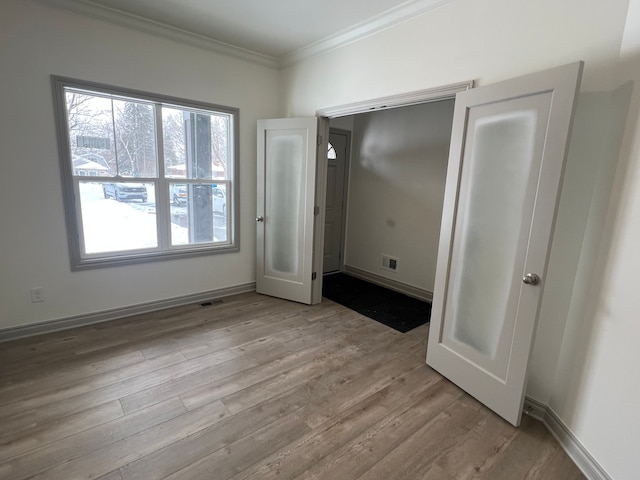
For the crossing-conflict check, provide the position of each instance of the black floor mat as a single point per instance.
(393, 309)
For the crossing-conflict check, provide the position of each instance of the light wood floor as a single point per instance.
(252, 388)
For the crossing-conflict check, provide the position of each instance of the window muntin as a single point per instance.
(162, 174)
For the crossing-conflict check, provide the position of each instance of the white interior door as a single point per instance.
(507, 156)
(334, 211)
(290, 208)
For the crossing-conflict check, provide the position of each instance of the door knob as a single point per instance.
(260, 218)
(531, 279)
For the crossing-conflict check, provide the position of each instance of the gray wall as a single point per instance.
(396, 188)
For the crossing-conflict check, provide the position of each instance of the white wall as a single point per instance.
(465, 39)
(595, 142)
(397, 175)
(37, 41)
(596, 385)
(587, 344)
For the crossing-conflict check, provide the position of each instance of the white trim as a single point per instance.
(141, 24)
(410, 290)
(567, 440)
(13, 333)
(395, 101)
(390, 18)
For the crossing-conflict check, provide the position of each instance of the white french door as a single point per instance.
(290, 207)
(507, 156)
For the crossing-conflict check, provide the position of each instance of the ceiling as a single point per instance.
(270, 28)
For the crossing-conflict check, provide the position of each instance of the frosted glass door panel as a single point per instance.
(285, 176)
(503, 156)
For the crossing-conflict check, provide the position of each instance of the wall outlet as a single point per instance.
(37, 294)
(389, 263)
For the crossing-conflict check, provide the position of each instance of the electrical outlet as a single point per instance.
(37, 294)
(389, 263)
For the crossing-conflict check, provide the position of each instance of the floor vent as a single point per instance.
(211, 303)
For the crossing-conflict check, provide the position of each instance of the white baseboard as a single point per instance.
(13, 333)
(407, 289)
(567, 440)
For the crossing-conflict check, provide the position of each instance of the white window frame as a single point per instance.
(70, 182)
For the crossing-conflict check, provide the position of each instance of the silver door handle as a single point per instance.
(260, 218)
(531, 279)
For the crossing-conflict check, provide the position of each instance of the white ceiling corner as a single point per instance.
(284, 34)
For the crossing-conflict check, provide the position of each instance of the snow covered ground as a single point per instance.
(112, 226)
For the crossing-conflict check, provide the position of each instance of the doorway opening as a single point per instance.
(393, 191)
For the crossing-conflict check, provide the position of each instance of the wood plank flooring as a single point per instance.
(251, 388)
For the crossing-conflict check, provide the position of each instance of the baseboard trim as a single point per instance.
(401, 287)
(49, 326)
(567, 440)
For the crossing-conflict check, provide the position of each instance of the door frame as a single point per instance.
(445, 92)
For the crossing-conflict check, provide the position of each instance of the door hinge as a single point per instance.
(314, 275)
(319, 139)
(316, 210)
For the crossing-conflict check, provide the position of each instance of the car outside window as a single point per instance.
(145, 176)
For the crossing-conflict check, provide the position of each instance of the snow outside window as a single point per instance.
(144, 176)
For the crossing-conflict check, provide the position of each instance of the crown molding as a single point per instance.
(376, 24)
(135, 22)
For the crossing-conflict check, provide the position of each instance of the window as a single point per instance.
(331, 152)
(145, 176)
